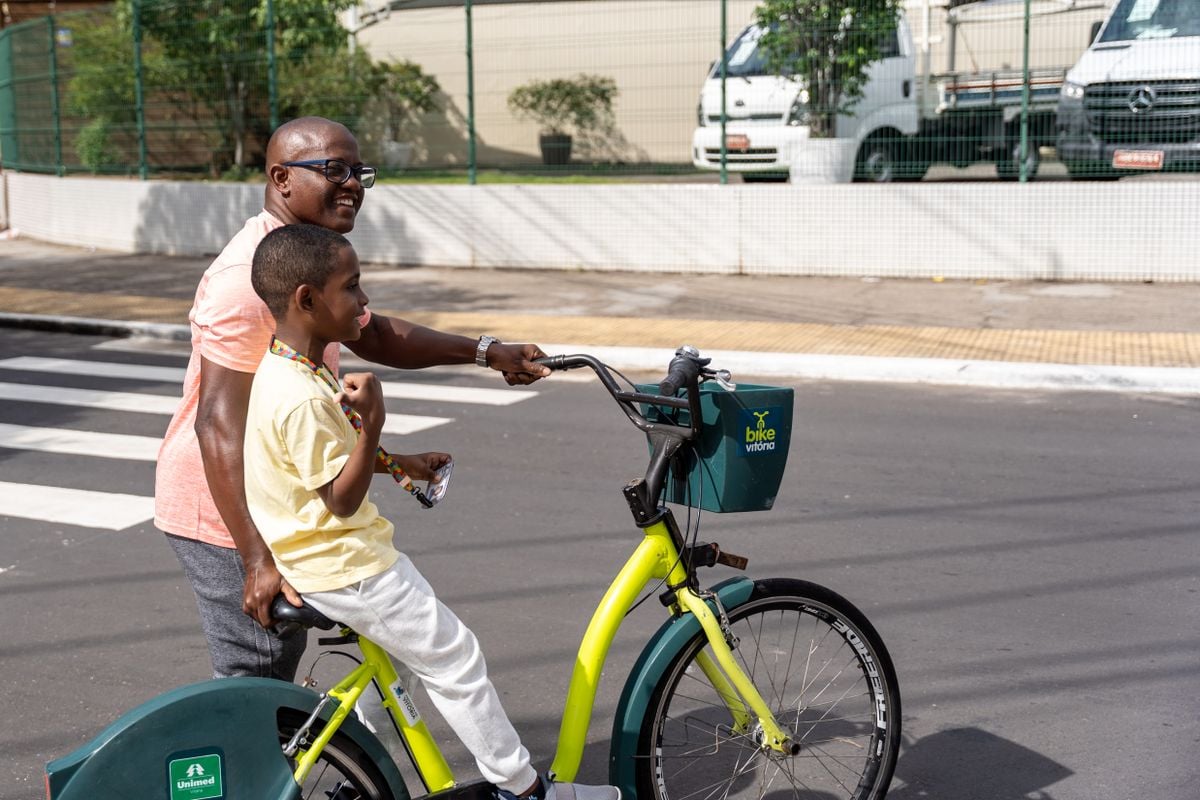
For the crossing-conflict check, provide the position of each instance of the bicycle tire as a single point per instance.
(343, 770)
(845, 716)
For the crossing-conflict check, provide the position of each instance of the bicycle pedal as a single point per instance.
(730, 560)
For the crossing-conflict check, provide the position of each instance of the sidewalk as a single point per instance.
(1139, 337)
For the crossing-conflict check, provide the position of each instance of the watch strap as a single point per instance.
(481, 349)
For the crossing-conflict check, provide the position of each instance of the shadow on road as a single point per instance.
(972, 764)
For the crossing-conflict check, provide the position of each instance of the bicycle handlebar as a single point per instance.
(684, 372)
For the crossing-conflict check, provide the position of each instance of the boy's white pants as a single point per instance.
(398, 611)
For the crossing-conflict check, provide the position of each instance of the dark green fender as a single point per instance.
(234, 718)
(651, 664)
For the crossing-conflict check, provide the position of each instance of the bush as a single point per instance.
(566, 105)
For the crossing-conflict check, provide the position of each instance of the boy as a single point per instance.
(307, 472)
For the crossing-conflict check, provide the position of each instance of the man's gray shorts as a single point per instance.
(239, 646)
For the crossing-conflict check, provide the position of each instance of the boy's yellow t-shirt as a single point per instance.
(297, 440)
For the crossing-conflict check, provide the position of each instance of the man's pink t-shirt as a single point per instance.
(231, 327)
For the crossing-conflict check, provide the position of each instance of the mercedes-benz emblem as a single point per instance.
(1142, 99)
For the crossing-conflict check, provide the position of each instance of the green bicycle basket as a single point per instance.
(741, 452)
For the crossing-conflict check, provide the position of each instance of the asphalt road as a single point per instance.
(1030, 560)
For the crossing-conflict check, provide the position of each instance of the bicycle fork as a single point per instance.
(657, 558)
(727, 677)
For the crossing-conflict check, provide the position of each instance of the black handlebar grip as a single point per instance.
(553, 362)
(678, 374)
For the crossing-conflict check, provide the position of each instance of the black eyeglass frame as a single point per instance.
(365, 174)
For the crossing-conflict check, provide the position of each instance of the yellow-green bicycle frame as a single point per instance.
(656, 559)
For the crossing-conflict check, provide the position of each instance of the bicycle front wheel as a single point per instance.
(827, 677)
(343, 770)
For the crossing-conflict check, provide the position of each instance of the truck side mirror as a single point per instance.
(1096, 26)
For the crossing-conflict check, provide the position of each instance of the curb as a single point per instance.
(929, 371)
(95, 327)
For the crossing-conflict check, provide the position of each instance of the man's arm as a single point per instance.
(398, 343)
(221, 429)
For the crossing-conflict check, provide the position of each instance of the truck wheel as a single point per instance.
(1009, 169)
(876, 162)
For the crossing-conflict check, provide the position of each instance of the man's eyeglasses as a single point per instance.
(338, 172)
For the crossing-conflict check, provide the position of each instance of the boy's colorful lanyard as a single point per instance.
(280, 349)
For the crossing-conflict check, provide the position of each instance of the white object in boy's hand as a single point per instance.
(436, 489)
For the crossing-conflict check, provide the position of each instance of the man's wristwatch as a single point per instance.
(481, 349)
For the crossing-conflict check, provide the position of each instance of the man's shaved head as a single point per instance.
(297, 138)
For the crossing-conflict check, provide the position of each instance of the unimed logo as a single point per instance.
(196, 777)
(759, 431)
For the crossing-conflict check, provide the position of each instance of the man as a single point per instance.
(316, 176)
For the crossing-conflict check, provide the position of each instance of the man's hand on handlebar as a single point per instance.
(515, 362)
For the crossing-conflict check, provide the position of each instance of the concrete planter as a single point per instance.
(824, 161)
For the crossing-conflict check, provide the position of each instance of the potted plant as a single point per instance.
(827, 48)
(562, 107)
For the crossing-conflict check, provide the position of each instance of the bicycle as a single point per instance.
(750, 688)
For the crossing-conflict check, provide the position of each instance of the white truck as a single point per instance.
(1132, 103)
(908, 118)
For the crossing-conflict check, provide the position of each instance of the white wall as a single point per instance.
(1130, 230)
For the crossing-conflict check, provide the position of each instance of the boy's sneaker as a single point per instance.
(554, 790)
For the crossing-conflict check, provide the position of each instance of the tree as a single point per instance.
(828, 45)
(102, 92)
(353, 89)
(223, 47)
(205, 79)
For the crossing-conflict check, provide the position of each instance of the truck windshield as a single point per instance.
(1152, 19)
(743, 58)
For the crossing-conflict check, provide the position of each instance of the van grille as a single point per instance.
(773, 118)
(754, 155)
(1162, 112)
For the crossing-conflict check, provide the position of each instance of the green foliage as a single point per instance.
(205, 70)
(94, 146)
(102, 86)
(828, 45)
(350, 87)
(221, 47)
(562, 105)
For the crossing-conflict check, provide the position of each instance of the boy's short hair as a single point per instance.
(290, 257)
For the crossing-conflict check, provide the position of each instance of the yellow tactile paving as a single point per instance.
(1128, 348)
(123, 307)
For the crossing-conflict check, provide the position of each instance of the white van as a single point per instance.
(908, 118)
(765, 123)
(1132, 102)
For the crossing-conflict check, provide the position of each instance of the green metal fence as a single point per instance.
(611, 88)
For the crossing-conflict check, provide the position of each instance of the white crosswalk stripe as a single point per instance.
(396, 390)
(89, 398)
(107, 510)
(98, 369)
(79, 443)
(395, 424)
(117, 511)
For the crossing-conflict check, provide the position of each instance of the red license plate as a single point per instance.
(1138, 159)
(737, 141)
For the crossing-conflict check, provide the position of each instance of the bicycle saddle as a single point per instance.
(288, 614)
